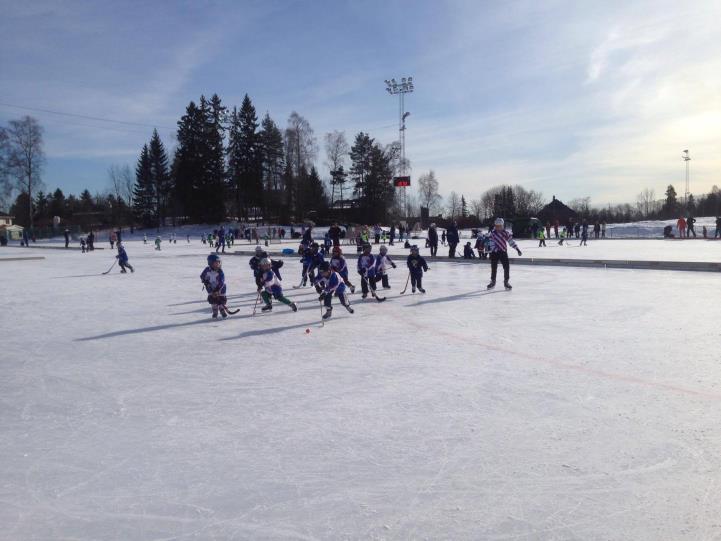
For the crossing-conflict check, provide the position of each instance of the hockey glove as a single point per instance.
(519, 251)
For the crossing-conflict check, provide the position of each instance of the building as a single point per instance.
(556, 210)
(8, 230)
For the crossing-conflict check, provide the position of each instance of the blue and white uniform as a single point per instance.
(214, 280)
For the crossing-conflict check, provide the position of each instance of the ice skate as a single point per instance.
(267, 308)
(491, 284)
(328, 313)
(507, 285)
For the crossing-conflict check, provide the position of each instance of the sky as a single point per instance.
(572, 99)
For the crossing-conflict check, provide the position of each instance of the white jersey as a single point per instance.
(383, 262)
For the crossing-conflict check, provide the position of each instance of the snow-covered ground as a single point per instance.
(581, 405)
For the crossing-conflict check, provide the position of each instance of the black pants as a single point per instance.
(434, 248)
(503, 258)
(452, 249)
(123, 266)
(416, 281)
(541, 242)
(366, 283)
(329, 298)
(384, 280)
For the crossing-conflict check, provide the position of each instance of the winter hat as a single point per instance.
(499, 221)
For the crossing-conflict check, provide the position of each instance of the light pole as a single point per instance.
(687, 159)
(402, 88)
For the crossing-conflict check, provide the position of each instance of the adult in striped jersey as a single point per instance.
(500, 239)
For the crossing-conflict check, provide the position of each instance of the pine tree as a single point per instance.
(272, 164)
(464, 207)
(144, 190)
(160, 177)
(360, 155)
(187, 163)
(244, 158)
(315, 197)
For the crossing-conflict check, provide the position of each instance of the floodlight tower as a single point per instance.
(401, 89)
(687, 159)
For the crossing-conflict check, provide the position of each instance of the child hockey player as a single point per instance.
(563, 236)
(382, 262)
(331, 283)
(416, 266)
(311, 259)
(82, 244)
(157, 243)
(500, 239)
(367, 270)
(541, 238)
(338, 264)
(254, 264)
(272, 287)
(214, 280)
(145, 238)
(123, 258)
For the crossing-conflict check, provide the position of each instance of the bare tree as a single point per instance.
(581, 205)
(300, 144)
(122, 182)
(428, 191)
(528, 202)
(336, 151)
(5, 184)
(477, 209)
(646, 202)
(454, 205)
(25, 137)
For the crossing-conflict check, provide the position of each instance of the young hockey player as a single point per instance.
(331, 283)
(500, 239)
(82, 244)
(157, 243)
(541, 238)
(382, 262)
(416, 266)
(563, 236)
(311, 259)
(367, 270)
(123, 258)
(272, 287)
(145, 238)
(254, 264)
(214, 280)
(338, 264)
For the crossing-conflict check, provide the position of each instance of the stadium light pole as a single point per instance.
(401, 89)
(687, 159)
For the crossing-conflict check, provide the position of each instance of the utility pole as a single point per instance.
(687, 159)
(401, 89)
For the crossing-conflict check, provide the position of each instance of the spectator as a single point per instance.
(66, 233)
(690, 227)
(468, 251)
(681, 224)
(433, 240)
(377, 233)
(603, 230)
(596, 230)
(453, 239)
(548, 230)
(555, 228)
(334, 233)
(392, 234)
(718, 227)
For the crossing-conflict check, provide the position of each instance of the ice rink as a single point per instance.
(582, 405)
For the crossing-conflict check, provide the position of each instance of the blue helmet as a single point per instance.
(212, 258)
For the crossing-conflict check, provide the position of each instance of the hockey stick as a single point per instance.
(407, 280)
(255, 306)
(302, 280)
(374, 294)
(111, 267)
(322, 321)
(231, 312)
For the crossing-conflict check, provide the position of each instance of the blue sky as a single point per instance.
(570, 98)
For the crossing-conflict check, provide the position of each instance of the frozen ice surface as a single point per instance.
(582, 405)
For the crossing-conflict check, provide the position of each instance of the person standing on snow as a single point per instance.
(690, 227)
(681, 224)
(123, 259)
(453, 239)
(433, 239)
(500, 239)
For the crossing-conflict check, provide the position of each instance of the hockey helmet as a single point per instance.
(384, 249)
(258, 250)
(324, 267)
(265, 262)
(212, 258)
(367, 247)
(337, 250)
(414, 248)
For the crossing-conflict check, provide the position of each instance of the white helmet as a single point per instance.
(499, 221)
(384, 249)
(258, 249)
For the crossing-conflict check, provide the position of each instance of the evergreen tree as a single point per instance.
(160, 178)
(315, 197)
(245, 158)
(464, 207)
(213, 189)
(670, 207)
(187, 163)
(360, 155)
(144, 191)
(57, 204)
(272, 164)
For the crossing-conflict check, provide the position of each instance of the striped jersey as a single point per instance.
(500, 240)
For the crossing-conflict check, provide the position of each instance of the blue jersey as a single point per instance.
(122, 255)
(312, 260)
(338, 264)
(269, 280)
(416, 265)
(367, 265)
(332, 284)
(214, 280)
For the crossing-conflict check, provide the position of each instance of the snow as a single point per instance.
(581, 405)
